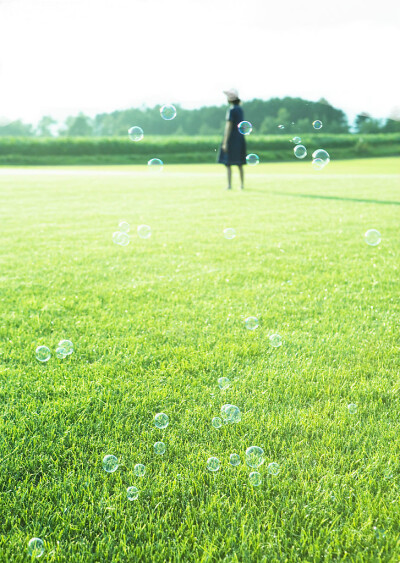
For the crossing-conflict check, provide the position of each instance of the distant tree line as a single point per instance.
(291, 114)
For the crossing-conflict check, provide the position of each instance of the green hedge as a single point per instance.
(175, 150)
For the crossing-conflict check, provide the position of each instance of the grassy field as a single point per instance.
(156, 323)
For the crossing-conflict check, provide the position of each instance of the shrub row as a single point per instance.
(25, 151)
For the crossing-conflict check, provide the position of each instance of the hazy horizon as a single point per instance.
(59, 58)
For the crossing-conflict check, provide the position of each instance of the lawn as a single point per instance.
(156, 323)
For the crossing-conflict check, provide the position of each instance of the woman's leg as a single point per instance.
(241, 172)
(229, 171)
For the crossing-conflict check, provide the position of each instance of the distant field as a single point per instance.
(186, 150)
(156, 323)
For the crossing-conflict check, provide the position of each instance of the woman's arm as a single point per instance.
(227, 132)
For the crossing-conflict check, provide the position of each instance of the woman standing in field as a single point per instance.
(233, 148)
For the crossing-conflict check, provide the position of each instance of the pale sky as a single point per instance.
(59, 57)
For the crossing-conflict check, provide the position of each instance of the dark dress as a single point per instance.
(236, 145)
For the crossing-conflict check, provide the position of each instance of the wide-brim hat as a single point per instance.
(232, 94)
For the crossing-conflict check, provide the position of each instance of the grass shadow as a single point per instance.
(333, 197)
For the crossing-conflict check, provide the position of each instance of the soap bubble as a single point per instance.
(245, 127)
(372, 237)
(317, 124)
(273, 468)
(132, 493)
(322, 154)
(168, 112)
(43, 353)
(122, 239)
(110, 463)
(296, 140)
(229, 233)
(251, 323)
(155, 164)
(216, 422)
(275, 340)
(352, 407)
(254, 456)
(318, 163)
(61, 353)
(67, 345)
(139, 470)
(35, 547)
(144, 231)
(281, 127)
(255, 479)
(161, 420)
(252, 159)
(159, 448)
(213, 464)
(223, 383)
(300, 151)
(135, 133)
(231, 413)
(234, 459)
(124, 227)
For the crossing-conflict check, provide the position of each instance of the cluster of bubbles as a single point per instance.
(65, 348)
(254, 458)
(136, 134)
(122, 237)
(251, 323)
(110, 462)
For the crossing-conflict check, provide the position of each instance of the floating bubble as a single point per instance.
(252, 159)
(135, 133)
(231, 413)
(318, 164)
(273, 468)
(229, 233)
(35, 547)
(132, 493)
(110, 463)
(223, 383)
(317, 124)
(139, 470)
(300, 151)
(352, 407)
(168, 112)
(251, 323)
(161, 420)
(216, 422)
(159, 448)
(245, 127)
(67, 345)
(61, 353)
(213, 464)
(144, 231)
(122, 239)
(234, 459)
(322, 154)
(43, 353)
(296, 140)
(255, 479)
(275, 340)
(124, 227)
(372, 237)
(254, 456)
(155, 164)
(281, 127)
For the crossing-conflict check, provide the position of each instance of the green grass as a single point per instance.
(156, 323)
